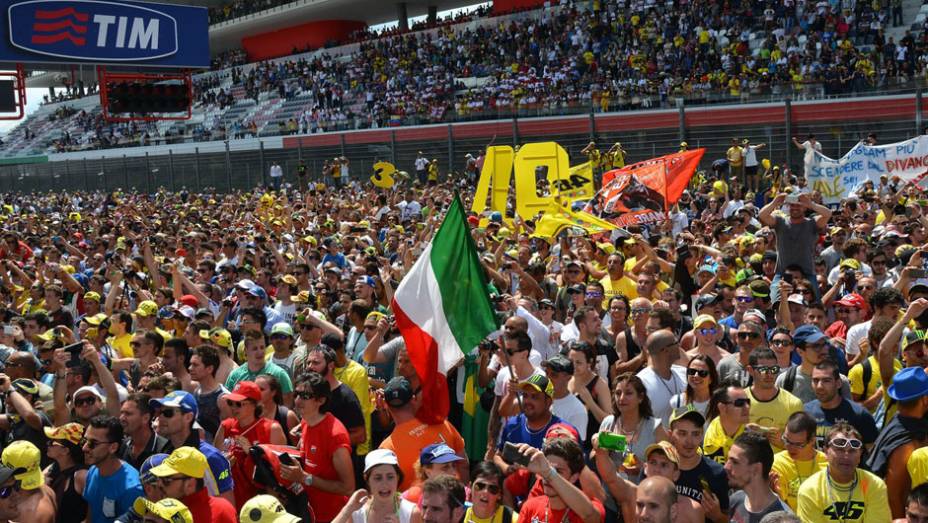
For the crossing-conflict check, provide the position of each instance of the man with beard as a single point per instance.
(112, 485)
(343, 403)
(141, 442)
(748, 469)
(796, 236)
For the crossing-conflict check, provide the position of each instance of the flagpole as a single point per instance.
(512, 374)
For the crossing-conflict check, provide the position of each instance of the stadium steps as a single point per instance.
(914, 14)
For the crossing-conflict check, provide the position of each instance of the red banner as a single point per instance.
(643, 192)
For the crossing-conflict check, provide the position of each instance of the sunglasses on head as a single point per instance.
(748, 335)
(697, 372)
(303, 394)
(489, 487)
(842, 443)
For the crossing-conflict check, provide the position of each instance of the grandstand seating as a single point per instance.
(331, 89)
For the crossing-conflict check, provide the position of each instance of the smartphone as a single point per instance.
(917, 273)
(75, 350)
(512, 455)
(787, 277)
(792, 198)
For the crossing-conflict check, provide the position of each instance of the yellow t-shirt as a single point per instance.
(121, 345)
(624, 286)
(470, 517)
(776, 412)
(792, 473)
(820, 501)
(355, 376)
(856, 377)
(716, 444)
(918, 466)
(734, 156)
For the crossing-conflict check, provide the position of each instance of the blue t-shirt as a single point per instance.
(221, 480)
(338, 259)
(848, 411)
(111, 496)
(729, 321)
(516, 431)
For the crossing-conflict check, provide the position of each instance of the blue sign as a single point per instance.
(103, 32)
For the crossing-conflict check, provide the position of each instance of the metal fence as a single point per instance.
(243, 170)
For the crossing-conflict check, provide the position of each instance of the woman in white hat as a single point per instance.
(381, 500)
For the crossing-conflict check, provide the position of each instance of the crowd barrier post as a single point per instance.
(682, 130)
(125, 172)
(450, 148)
(918, 112)
(228, 166)
(788, 122)
(393, 146)
(261, 165)
(196, 168)
(171, 167)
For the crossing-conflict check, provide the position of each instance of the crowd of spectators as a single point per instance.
(193, 357)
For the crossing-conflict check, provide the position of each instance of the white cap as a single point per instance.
(91, 389)
(797, 299)
(380, 457)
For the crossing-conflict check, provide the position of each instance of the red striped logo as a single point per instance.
(59, 25)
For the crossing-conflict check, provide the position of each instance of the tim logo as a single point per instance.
(92, 30)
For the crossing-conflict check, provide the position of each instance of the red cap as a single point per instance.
(473, 221)
(189, 300)
(181, 252)
(853, 300)
(563, 427)
(245, 390)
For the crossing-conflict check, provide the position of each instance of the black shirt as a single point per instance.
(156, 445)
(690, 482)
(344, 405)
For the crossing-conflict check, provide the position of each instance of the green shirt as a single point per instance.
(243, 373)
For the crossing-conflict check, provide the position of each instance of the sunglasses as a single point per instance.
(843, 443)
(489, 487)
(280, 337)
(83, 402)
(768, 369)
(793, 444)
(739, 403)
(202, 271)
(697, 372)
(8, 491)
(303, 394)
(168, 413)
(745, 299)
(843, 311)
(748, 335)
(781, 343)
(307, 326)
(709, 332)
(92, 443)
(234, 404)
(641, 310)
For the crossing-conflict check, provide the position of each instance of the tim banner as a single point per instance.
(837, 179)
(102, 32)
(642, 193)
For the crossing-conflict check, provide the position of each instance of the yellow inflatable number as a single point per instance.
(383, 175)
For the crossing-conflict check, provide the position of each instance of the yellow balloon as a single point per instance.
(766, 163)
(383, 175)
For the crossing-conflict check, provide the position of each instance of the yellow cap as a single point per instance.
(48, 335)
(265, 509)
(184, 460)
(702, 319)
(92, 296)
(301, 297)
(850, 263)
(607, 248)
(220, 337)
(23, 454)
(168, 509)
(289, 279)
(72, 432)
(96, 319)
(147, 308)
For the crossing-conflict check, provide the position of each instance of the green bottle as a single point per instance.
(612, 441)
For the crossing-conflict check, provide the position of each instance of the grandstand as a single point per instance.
(537, 62)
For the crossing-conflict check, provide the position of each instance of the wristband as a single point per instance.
(552, 473)
(308, 480)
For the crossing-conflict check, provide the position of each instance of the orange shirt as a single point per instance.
(409, 438)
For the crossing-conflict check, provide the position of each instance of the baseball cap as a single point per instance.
(289, 279)
(180, 399)
(539, 383)
(245, 390)
(258, 292)
(850, 263)
(25, 386)
(189, 300)
(797, 299)
(168, 509)
(366, 280)
(853, 300)
(806, 334)
(437, 453)
(381, 457)
(398, 392)
(187, 312)
(92, 296)
(184, 460)
(912, 336)
(282, 328)
(146, 308)
(244, 284)
(703, 319)
(95, 320)
(72, 432)
(921, 283)
(688, 413)
(265, 508)
(219, 336)
(759, 289)
(664, 446)
(6, 473)
(577, 288)
(22, 454)
(559, 363)
(88, 389)
(706, 300)
(151, 462)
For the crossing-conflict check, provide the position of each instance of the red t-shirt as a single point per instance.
(318, 445)
(243, 467)
(204, 507)
(538, 509)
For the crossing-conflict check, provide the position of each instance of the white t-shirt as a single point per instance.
(572, 410)
(750, 155)
(660, 391)
(422, 164)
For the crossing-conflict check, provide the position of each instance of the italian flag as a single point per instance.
(443, 309)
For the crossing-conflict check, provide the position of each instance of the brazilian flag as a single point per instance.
(475, 419)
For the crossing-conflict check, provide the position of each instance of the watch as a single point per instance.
(308, 480)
